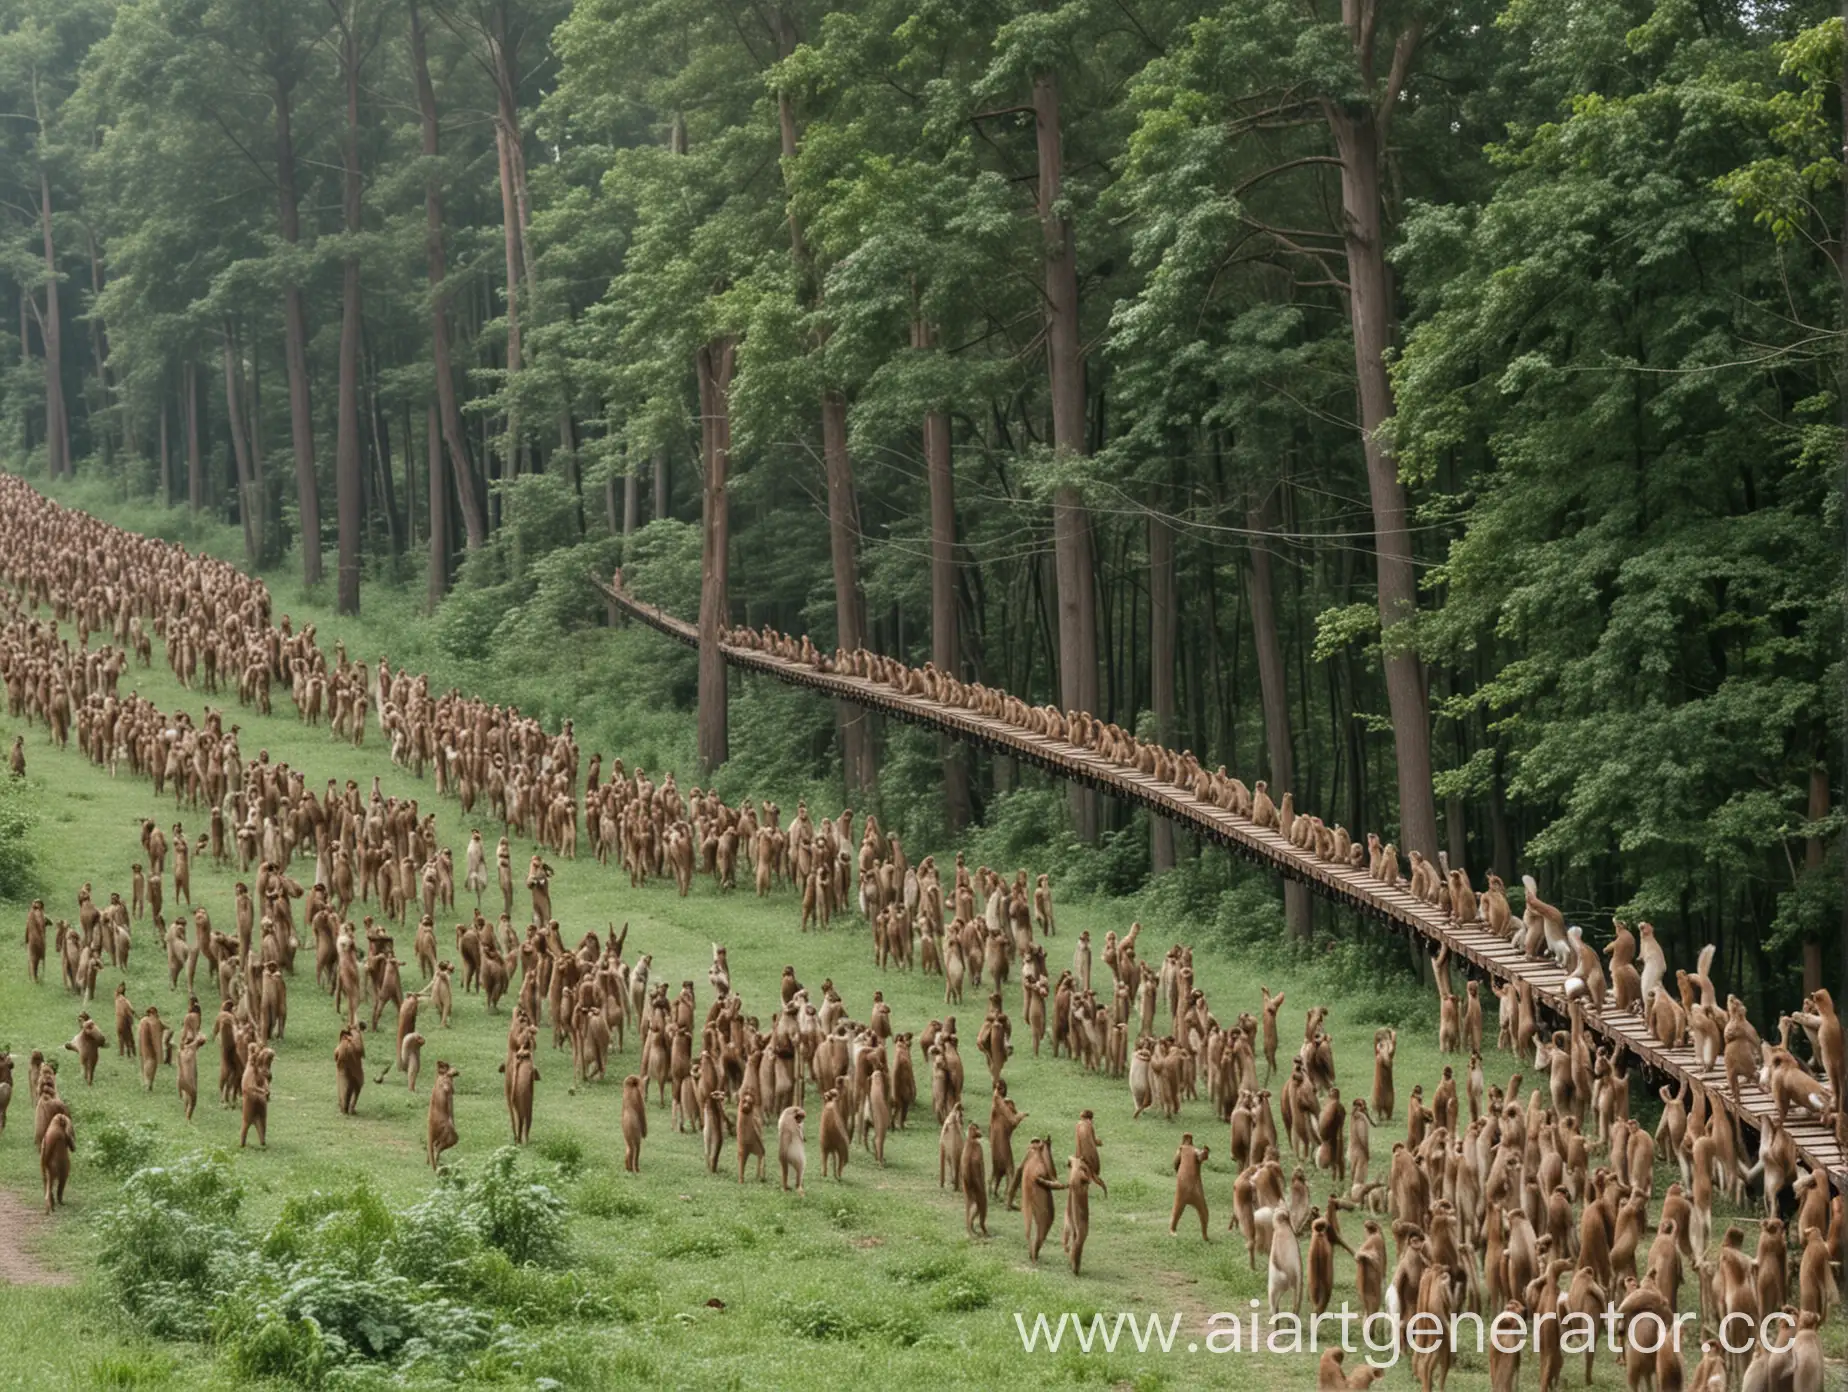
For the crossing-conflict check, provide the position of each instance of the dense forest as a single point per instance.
(1431, 406)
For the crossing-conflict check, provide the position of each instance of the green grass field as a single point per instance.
(687, 1278)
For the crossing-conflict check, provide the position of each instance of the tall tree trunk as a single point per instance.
(631, 504)
(348, 467)
(853, 722)
(1812, 863)
(166, 454)
(660, 484)
(381, 463)
(57, 419)
(461, 468)
(945, 619)
(1162, 631)
(295, 344)
(438, 490)
(510, 223)
(104, 436)
(716, 362)
(240, 449)
(857, 747)
(1073, 562)
(195, 461)
(1273, 692)
(1841, 392)
(1359, 130)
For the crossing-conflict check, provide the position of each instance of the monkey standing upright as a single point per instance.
(442, 1123)
(1189, 1190)
(634, 1122)
(55, 1158)
(973, 1173)
(792, 1146)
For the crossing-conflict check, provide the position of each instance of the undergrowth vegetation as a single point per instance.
(339, 1286)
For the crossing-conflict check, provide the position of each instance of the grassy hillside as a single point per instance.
(678, 1276)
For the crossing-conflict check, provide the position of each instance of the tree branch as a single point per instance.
(1402, 54)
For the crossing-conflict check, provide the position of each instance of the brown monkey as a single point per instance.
(1085, 1143)
(1078, 1182)
(1385, 1045)
(634, 1122)
(974, 1178)
(792, 1146)
(256, 1106)
(1189, 1191)
(189, 1073)
(87, 1044)
(949, 1147)
(750, 1130)
(1817, 1292)
(1272, 1004)
(521, 1073)
(151, 1040)
(1321, 1266)
(55, 1158)
(1370, 1269)
(834, 1141)
(442, 1123)
(1036, 1188)
(349, 1068)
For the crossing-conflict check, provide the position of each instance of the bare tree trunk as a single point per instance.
(660, 484)
(195, 462)
(510, 222)
(461, 467)
(348, 476)
(1359, 131)
(716, 361)
(99, 349)
(240, 449)
(631, 503)
(945, 619)
(857, 749)
(1071, 531)
(1274, 694)
(1842, 406)
(57, 420)
(1812, 862)
(853, 722)
(438, 491)
(1162, 630)
(166, 455)
(295, 344)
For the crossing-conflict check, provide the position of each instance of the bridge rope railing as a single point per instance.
(1480, 951)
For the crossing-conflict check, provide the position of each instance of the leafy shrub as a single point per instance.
(171, 1247)
(349, 1231)
(434, 1239)
(18, 863)
(522, 1217)
(566, 1152)
(320, 1315)
(119, 1148)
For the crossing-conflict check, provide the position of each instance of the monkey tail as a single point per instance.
(1706, 959)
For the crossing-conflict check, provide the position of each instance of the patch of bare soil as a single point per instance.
(20, 1224)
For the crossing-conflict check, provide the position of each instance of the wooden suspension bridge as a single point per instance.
(1477, 949)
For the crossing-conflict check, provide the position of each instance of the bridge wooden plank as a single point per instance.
(1497, 958)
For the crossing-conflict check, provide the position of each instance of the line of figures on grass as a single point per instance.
(1506, 1209)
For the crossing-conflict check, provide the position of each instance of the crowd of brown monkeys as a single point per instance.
(1502, 1212)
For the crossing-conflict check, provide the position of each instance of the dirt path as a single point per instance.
(19, 1227)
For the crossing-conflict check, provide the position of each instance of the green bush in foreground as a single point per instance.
(339, 1286)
